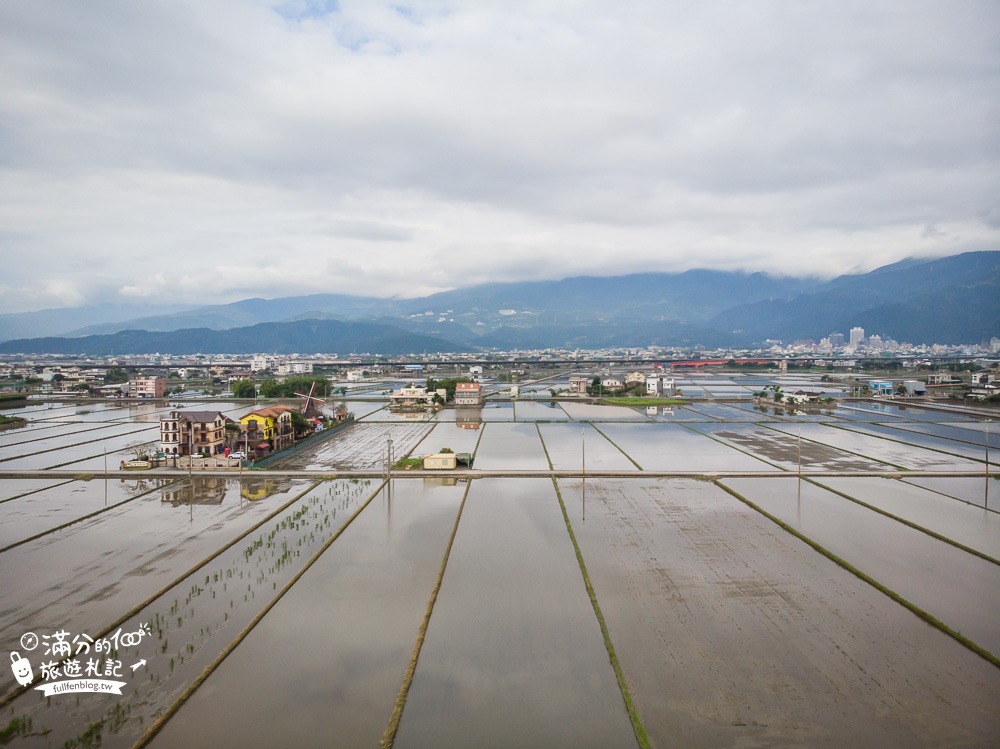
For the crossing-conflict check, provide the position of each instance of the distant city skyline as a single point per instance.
(199, 153)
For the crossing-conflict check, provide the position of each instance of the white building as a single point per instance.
(660, 385)
(295, 368)
(260, 362)
(857, 337)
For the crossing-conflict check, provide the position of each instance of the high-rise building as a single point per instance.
(857, 336)
(837, 340)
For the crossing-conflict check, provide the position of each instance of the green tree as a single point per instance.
(270, 388)
(449, 385)
(301, 425)
(232, 435)
(116, 374)
(244, 389)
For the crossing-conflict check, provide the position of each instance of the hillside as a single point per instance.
(947, 300)
(307, 336)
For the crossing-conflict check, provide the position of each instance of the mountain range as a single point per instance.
(954, 299)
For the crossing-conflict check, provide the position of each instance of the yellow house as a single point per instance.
(271, 425)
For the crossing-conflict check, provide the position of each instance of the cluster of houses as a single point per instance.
(211, 433)
(418, 396)
(656, 384)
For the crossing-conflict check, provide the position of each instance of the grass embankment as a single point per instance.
(926, 616)
(169, 712)
(389, 737)
(11, 422)
(641, 737)
(408, 464)
(641, 401)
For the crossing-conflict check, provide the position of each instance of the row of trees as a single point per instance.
(271, 388)
(449, 384)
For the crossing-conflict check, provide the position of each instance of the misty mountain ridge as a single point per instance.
(954, 299)
(305, 336)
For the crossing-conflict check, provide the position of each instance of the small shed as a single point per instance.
(440, 462)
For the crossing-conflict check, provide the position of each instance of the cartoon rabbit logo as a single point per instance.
(21, 668)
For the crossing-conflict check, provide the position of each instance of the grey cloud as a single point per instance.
(560, 135)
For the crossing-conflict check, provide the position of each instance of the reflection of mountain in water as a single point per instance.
(206, 490)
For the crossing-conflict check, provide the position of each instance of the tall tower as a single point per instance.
(857, 336)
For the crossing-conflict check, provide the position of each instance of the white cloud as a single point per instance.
(205, 152)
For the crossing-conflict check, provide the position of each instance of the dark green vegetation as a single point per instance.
(288, 387)
(447, 384)
(642, 401)
(7, 422)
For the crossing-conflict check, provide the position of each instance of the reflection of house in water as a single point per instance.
(207, 490)
(468, 418)
(441, 481)
(257, 489)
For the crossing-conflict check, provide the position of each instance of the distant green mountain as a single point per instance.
(244, 313)
(306, 336)
(691, 297)
(57, 321)
(948, 300)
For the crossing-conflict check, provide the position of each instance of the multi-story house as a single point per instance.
(578, 385)
(610, 382)
(416, 395)
(148, 387)
(468, 394)
(659, 385)
(267, 429)
(193, 432)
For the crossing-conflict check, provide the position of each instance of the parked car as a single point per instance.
(238, 455)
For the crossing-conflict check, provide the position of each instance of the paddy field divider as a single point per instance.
(926, 616)
(641, 737)
(161, 721)
(89, 515)
(389, 737)
(10, 696)
(904, 521)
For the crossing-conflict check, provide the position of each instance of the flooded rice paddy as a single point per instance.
(281, 608)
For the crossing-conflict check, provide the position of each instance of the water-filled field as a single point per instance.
(316, 604)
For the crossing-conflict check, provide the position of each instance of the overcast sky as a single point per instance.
(204, 152)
